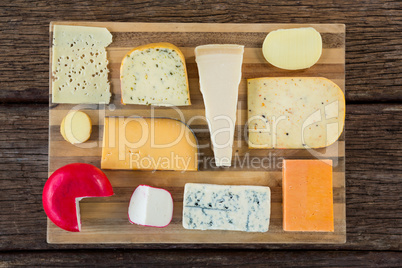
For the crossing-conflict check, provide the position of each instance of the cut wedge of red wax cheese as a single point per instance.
(66, 187)
(219, 68)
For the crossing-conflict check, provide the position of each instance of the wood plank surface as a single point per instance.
(373, 176)
(104, 220)
(202, 258)
(373, 130)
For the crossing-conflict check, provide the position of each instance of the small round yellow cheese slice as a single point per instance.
(293, 49)
(76, 127)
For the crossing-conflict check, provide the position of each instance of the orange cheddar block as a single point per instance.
(307, 196)
(148, 144)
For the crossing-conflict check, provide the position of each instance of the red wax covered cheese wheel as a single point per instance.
(66, 187)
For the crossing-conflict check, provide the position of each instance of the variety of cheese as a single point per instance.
(76, 127)
(148, 144)
(79, 64)
(294, 112)
(283, 113)
(224, 207)
(150, 206)
(307, 195)
(219, 68)
(154, 74)
(293, 49)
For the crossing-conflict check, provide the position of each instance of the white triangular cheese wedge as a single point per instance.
(219, 68)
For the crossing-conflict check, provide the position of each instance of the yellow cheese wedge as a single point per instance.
(294, 112)
(76, 127)
(293, 49)
(148, 144)
(154, 74)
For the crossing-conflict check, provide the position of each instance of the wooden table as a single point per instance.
(373, 132)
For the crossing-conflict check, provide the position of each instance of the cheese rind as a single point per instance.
(226, 207)
(76, 127)
(148, 144)
(293, 49)
(307, 195)
(294, 112)
(79, 64)
(155, 74)
(219, 68)
(150, 206)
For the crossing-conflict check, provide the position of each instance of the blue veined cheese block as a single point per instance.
(226, 207)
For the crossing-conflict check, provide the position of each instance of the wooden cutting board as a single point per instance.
(104, 220)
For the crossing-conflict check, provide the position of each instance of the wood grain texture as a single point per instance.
(104, 220)
(373, 177)
(373, 132)
(201, 258)
(373, 46)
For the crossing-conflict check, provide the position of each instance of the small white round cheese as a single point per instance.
(150, 206)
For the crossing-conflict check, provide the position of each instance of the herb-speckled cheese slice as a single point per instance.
(226, 207)
(155, 74)
(79, 64)
(294, 113)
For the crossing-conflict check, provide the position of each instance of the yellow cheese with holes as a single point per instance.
(76, 127)
(148, 144)
(79, 64)
(293, 49)
(294, 112)
(154, 74)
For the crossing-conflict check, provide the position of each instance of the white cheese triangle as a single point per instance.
(219, 68)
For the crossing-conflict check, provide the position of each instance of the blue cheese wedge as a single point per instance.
(294, 113)
(79, 64)
(154, 74)
(226, 207)
(219, 68)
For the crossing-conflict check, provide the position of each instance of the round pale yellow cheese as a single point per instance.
(76, 127)
(293, 49)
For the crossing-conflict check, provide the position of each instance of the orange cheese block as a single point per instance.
(148, 144)
(307, 195)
